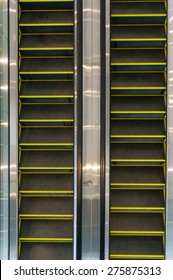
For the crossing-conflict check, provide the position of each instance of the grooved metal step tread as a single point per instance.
(46, 159)
(46, 251)
(47, 88)
(47, 135)
(137, 127)
(136, 222)
(142, 245)
(45, 182)
(135, 8)
(137, 175)
(46, 18)
(46, 65)
(46, 205)
(139, 80)
(46, 4)
(46, 229)
(138, 33)
(47, 112)
(150, 151)
(137, 198)
(40, 42)
(137, 103)
(138, 56)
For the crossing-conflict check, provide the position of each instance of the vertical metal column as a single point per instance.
(13, 58)
(107, 131)
(91, 131)
(169, 199)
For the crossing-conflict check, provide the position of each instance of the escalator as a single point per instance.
(137, 129)
(46, 129)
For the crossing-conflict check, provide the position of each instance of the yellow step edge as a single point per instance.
(137, 63)
(47, 49)
(58, 240)
(141, 257)
(140, 88)
(136, 233)
(46, 73)
(47, 1)
(137, 112)
(45, 192)
(138, 136)
(46, 144)
(44, 24)
(47, 216)
(139, 184)
(139, 15)
(137, 160)
(46, 120)
(45, 168)
(138, 39)
(46, 96)
(136, 209)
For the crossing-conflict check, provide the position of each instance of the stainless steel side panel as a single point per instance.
(13, 6)
(91, 131)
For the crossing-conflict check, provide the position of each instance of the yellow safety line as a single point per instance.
(63, 240)
(137, 160)
(46, 120)
(126, 209)
(137, 63)
(44, 192)
(138, 39)
(138, 112)
(139, 184)
(23, 216)
(46, 73)
(138, 136)
(45, 168)
(45, 33)
(46, 49)
(136, 233)
(46, 144)
(139, 87)
(138, 15)
(137, 24)
(44, 24)
(129, 256)
(47, 10)
(46, 96)
(47, 1)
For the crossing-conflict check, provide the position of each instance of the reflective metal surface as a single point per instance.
(13, 8)
(107, 133)
(169, 199)
(75, 134)
(91, 131)
(4, 124)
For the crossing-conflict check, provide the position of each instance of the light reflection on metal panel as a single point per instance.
(91, 131)
(13, 6)
(169, 199)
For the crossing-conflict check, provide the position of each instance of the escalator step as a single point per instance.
(46, 135)
(137, 174)
(47, 65)
(46, 229)
(138, 32)
(59, 41)
(46, 205)
(46, 251)
(47, 112)
(46, 158)
(140, 80)
(142, 245)
(137, 127)
(47, 88)
(137, 222)
(137, 151)
(137, 103)
(46, 182)
(137, 56)
(46, 17)
(137, 198)
(127, 8)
